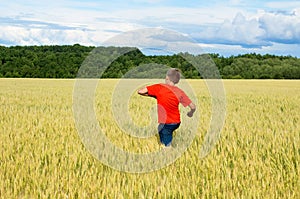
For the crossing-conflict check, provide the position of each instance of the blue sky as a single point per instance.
(227, 27)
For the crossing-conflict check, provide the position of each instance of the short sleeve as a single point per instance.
(153, 89)
(185, 100)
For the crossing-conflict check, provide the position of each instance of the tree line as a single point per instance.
(65, 61)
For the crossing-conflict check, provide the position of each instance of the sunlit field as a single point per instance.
(257, 156)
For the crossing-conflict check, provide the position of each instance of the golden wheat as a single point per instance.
(257, 156)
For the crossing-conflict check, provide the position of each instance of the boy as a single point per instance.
(168, 97)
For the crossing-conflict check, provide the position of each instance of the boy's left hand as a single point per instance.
(190, 114)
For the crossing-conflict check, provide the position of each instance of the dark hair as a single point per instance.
(174, 75)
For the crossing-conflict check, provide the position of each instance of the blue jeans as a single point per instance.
(166, 133)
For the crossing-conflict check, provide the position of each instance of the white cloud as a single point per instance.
(281, 28)
(37, 36)
(93, 22)
(156, 38)
(258, 30)
(55, 24)
(240, 30)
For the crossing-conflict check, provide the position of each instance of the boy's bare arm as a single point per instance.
(193, 109)
(143, 91)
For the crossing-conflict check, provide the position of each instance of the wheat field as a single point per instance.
(257, 156)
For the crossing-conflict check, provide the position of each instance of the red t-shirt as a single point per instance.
(168, 99)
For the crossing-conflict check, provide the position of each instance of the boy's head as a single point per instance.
(173, 75)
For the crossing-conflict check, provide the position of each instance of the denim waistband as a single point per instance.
(169, 123)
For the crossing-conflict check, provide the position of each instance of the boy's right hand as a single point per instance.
(143, 91)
